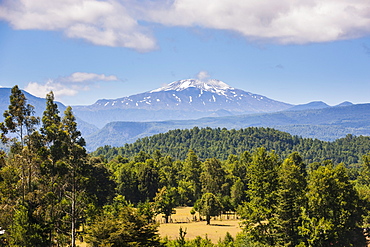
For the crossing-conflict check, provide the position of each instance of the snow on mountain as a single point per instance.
(179, 100)
(214, 86)
(195, 95)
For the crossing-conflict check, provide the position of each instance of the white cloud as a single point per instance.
(105, 23)
(283, 21)
(203, 75)
(69, 85)
(85, 77)
(117, 22)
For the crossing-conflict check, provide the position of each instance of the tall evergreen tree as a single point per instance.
(258, 213)
(18, 119)
(291, 198)
(76, 162)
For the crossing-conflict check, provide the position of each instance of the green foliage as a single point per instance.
(289, 191)
(124, 227)
(228, 241)
(18, 119)
(181, 242)
(220, 143)
(165, 202)
(212, 176)
(291, 199)
(334, 209)
(257, 213)
(209, 206)
(24, 231)
(46, 181)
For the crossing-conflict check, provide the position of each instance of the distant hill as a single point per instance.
(309, 106)
(180, 100)
(40, 104)
(345, 103)
(326, 124)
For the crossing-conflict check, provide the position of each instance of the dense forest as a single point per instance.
(220, 143)
(287, 191)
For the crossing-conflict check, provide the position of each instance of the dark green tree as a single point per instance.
(291, 198)
(212, 176)
(18, 119)
(257, 214)
(191, 174)
(148, 180)
(52, 129)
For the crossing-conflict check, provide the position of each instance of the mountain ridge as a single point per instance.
(40, 105)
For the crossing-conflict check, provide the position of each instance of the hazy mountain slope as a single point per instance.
(40, 104)
(326, 124)
(308, 106)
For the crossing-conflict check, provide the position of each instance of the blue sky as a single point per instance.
(85, 50)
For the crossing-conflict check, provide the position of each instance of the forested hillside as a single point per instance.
(53, 193)
(220, 143)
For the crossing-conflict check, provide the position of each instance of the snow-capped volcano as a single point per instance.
(195, 95)
(183, 99)
(214, 86)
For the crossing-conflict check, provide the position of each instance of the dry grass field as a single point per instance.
(217, 230)
(183, 218)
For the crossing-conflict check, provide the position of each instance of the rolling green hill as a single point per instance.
(220, 143)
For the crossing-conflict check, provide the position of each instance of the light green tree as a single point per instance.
(165, 202)
(208, 206)
(121, 226)
(334, 211)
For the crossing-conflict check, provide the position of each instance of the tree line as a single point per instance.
(220, 143)
(282, 202)
(53, 193)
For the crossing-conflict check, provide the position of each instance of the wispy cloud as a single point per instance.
(366, 49)
(69, 85)
(203, 75)
(118, 22)
(279, 66)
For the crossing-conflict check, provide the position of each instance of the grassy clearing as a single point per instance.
(217, 230)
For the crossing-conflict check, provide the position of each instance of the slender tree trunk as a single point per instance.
(73, 225)
(208, 218)
(73, 212)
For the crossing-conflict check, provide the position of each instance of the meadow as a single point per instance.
(182, 218)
